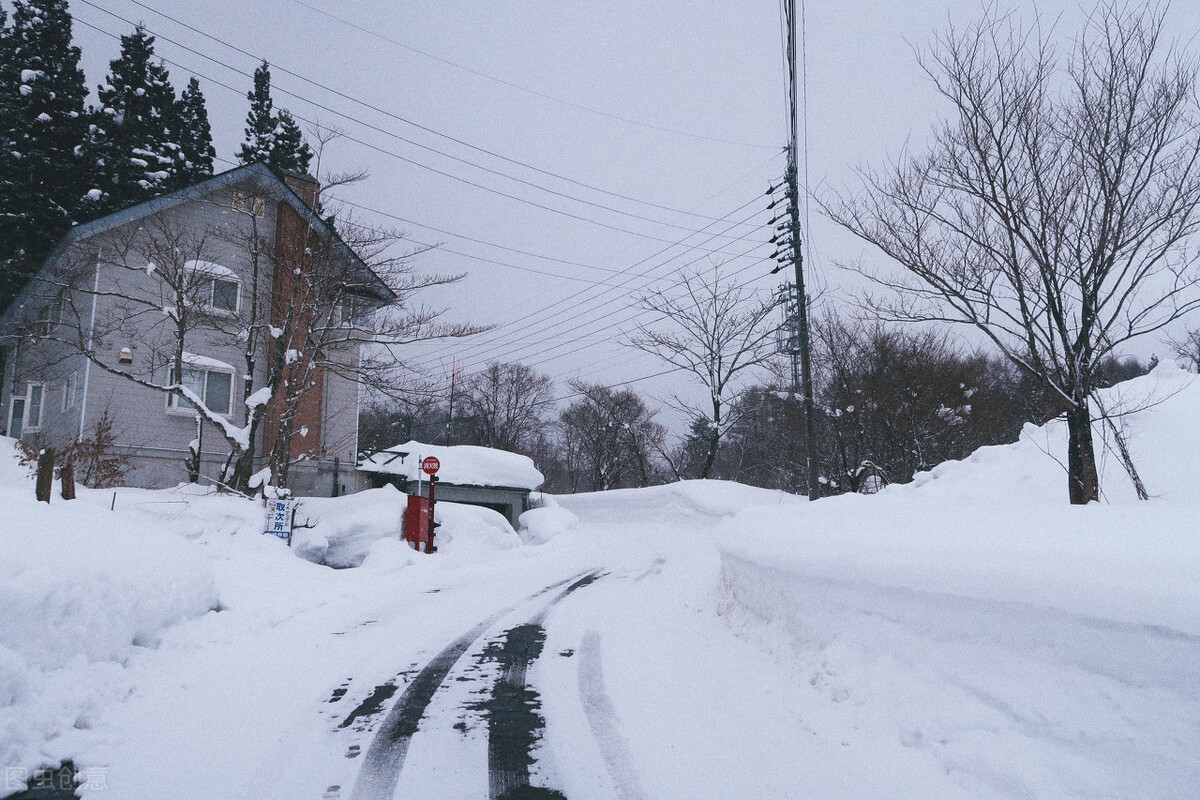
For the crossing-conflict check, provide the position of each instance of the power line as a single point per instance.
(535, 92)
(407, 160)
(398, 117)
(406, 140)
(511, 349)
(570, 308)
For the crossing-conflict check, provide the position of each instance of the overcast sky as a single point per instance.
(625, 139)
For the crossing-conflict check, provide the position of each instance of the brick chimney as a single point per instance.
(292, 254)
(304, 185)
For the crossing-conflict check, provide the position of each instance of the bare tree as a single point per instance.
(505, 406)
(347, 317)
(717, 330)
(1187, 349)
(1053, 211)
(164, 292)
(609, 437)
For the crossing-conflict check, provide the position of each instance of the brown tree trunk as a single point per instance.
(1083, 480)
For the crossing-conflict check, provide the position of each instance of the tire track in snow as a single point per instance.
(384, 759)
(515, 724)
(602, 717)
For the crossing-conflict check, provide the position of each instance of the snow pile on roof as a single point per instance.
(465, 465)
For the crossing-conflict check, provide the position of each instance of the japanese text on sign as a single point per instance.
(279, 518)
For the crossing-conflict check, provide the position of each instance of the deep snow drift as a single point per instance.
(966, 636)
(985, 628)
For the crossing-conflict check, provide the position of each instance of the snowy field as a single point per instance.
(967, 636)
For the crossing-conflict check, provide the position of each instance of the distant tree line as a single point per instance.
(64, 161)
(892, 401)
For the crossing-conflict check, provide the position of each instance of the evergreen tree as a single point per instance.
(260, 122)
(273, 138)
(195, 135)
(137, 130)
(42, 125)
(291, 152)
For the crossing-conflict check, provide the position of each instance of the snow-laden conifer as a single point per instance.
(195, 135)
(270, 137)
(42, 124)
(136, 132)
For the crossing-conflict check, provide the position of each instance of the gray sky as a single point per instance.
(676, 104)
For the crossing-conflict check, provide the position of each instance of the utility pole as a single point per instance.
(787, 238)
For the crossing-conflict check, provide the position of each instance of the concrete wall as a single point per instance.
(509, 502)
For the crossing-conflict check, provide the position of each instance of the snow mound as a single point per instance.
(348, 531)
(344, 529)
(81, 591)
(701, 500)
(13, 474)
(472, 532)
(389, 555)
(1155, 415)
(549, 519)
(997, 525)
(1025, 647)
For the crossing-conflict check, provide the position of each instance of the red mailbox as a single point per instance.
(416, 522)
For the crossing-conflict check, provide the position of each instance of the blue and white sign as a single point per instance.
(279, 518)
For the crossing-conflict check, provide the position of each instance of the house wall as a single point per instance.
(60, 373)
(155, 437)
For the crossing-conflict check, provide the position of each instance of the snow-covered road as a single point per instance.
(701, 641)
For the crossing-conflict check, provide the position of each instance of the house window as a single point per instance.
(49, 316)
(220, 294)
(25, 413)
(244, 202)
(217, 288)
(215, 387)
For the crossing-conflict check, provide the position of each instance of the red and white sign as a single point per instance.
(430, 465)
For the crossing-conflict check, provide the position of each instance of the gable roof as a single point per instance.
(258, 172)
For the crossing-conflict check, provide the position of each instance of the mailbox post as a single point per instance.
(430, 466)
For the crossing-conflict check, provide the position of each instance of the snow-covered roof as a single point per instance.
(258, 173)
(465, 465)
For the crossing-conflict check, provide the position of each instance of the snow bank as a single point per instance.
(465, 465)
(699, 500)
(997, 525)
(344, 528)
(79, 594)
(348, 531)
(472, 532)
(1028, 647)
